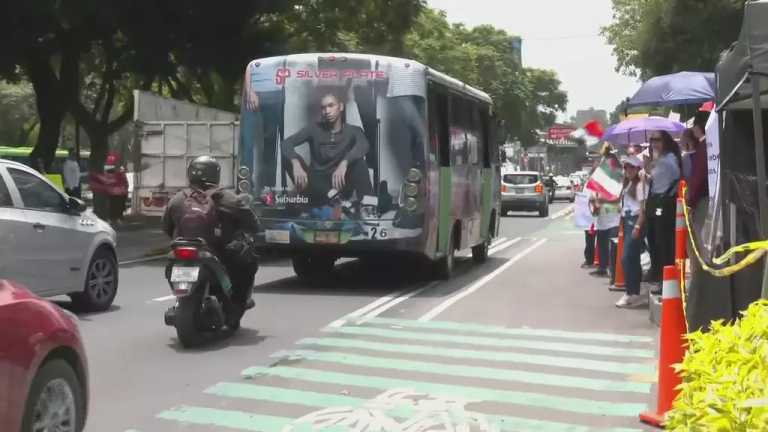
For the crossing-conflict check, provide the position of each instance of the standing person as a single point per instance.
(633, 196)
(698, 178)
(71, 174)
(608, 219)
(664, 172)
(110, 190)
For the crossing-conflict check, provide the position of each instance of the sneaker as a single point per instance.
(599, 273)
(638, 300)
(586, 265)
(623, 301)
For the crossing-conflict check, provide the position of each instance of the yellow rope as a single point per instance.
(757, 249)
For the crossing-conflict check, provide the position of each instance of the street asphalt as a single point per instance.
(527, 341)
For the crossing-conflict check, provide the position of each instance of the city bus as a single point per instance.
(365, 156)
(21, 155)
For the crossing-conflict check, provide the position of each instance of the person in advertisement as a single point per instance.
(337, 154)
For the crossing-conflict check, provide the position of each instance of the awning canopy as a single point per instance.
(747, 56)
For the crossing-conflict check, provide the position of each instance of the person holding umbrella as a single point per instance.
(664, 172)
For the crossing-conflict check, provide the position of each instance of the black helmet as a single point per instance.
(204, 172)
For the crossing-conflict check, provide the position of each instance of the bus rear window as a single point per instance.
(520, 179)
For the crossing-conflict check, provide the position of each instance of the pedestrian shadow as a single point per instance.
(221, 340)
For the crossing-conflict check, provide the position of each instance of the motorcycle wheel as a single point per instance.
(188, 315)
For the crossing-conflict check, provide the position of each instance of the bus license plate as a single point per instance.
(327, 237)
(184, 274)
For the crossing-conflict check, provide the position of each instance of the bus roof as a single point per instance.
(26, 151)
(430, 73)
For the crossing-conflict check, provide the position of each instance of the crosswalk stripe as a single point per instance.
(225, 418)
(327, 400)
(552, 380)
(496, 342)
(480, 328)
(560, 403)
(495, 356)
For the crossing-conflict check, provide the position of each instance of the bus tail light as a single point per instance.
(539, 188)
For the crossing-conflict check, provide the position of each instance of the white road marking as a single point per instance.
(365, 309)
(376, 312)
(501, 246)
(162, 299)
(562, 213)
(477, 285)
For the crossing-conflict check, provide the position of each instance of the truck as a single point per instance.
(169, 133)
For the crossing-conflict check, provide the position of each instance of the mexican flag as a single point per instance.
(606, 181)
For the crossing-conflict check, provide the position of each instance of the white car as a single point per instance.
(51, 243)
(564, 189)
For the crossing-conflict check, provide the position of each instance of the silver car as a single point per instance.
(523, 191)
(564, 189)
(51, 243)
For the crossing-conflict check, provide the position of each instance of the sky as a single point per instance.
(562, 35)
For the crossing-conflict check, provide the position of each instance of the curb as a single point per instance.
(655, 309)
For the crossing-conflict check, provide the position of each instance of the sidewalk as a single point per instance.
(140, 237)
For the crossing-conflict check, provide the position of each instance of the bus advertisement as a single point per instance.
(352, 155)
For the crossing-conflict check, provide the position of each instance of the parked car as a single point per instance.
(51, 243)
(564, 189)
(43, 367)
(523, 191)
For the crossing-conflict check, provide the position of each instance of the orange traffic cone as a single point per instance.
(671, 347)
(597, 252)
(618, 279)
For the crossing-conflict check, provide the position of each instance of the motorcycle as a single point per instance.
(203, 292)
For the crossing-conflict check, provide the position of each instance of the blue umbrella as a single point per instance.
(681, 88)
(636, 131)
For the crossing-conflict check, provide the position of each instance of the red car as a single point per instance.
(43, 368)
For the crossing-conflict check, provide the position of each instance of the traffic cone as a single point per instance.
(618, 279)
(671, 347)
(596, 262)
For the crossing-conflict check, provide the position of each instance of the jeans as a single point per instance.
(589, 247)
(603, 245)
(630, 256)
(357, 179)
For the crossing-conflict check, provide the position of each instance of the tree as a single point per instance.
(18, 118)
(526, 99)
(656, 37)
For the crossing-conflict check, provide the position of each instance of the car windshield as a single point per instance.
(521, 179)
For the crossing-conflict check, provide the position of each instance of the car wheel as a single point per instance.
(56, 400)
(544, 211)
(572, 199)
(100, 283)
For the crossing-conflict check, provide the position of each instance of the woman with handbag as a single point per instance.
(665, 171)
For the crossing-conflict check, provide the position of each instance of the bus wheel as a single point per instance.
(312, 267)
(480, 252)
(444, 266)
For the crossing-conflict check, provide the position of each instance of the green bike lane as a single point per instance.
(531, 343)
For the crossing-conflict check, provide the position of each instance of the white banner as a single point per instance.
(582, 217)
(713, 152)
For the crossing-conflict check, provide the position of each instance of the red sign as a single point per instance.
(560, 132)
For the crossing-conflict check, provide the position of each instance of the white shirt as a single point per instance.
(71, 174)
(634, 205)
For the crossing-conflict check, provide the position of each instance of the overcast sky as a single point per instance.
(562, 35)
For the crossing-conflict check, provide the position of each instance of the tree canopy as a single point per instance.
(656, 37)
(82, 58)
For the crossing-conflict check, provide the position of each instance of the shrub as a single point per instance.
(725, 377)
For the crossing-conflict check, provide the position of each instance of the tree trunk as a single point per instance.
(50, 108)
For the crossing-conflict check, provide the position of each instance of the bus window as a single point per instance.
(485, 141)
(458, 130)
(473, 135)
(438, 126)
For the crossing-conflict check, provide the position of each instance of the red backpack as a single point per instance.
(199, 217)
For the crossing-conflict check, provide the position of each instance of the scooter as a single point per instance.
(203, 293)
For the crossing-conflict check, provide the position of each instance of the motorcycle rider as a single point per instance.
(230, 240)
